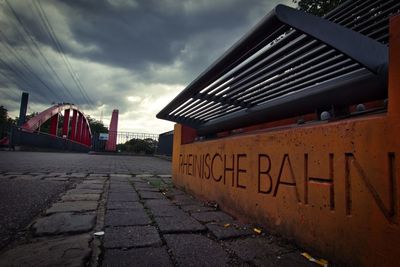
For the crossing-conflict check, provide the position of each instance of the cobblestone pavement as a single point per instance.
(120, 219)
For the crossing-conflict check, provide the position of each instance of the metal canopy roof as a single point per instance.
(291, 63)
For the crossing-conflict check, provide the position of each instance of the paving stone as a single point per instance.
(14, 173)
(121, 175)
(64, 251)
(197, 208)
(95, 178)
(258, 250)
(131, 236)
(39, 177)
(176, 191)
(78, 175)
(122, 205)
(212, 216)
(183, 200)
(64, 223)
(72, 206)
(203, 251)
(137, 257)
(159, 185)
(98, 175)
(84, 191)
(144, 175)
(121, 188)
(166, 211)
(126, 217)
(94, 181)
(155, 203)
(232, 230)
(151, 195)
(121, 178)
(118, 180)
(155, 181)
(164, 175)
(80, 197)
(127, 197)
(66, 176)
(36, 173)
(90, 186)
(148, 189)
(56, 174)
(58, 179)
(27, 177)
(178, 224)
(167, 181)
(172, 192)
(143, 186)
(124, 190)
(136, 180)
(120, 183)
(165, 187)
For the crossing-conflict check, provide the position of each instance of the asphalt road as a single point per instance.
(21, 201)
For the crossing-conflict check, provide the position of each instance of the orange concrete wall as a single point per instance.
(333, 187)
(394, 66)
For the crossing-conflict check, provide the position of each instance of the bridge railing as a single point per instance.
(39, 140)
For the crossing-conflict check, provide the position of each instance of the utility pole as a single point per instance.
(23, 109)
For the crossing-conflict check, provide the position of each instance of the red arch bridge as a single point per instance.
(75, 134)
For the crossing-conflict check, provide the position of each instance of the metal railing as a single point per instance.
(128, 142)
(39, 140)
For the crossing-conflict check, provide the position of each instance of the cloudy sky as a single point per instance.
(131, 55)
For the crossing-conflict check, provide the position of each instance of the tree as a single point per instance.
(3, 115)
(5, 122)
(96, 126)
(141, 146)
(318, 7)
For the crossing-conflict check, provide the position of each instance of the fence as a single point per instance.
(128, 142)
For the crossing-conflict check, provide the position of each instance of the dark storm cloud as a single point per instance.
(133, 36)
(128, 54)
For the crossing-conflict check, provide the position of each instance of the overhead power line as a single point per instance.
(24, 71)
(17, 79)
(25, 64)
(39, 50)
(61, 52)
